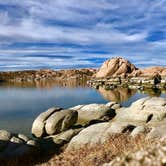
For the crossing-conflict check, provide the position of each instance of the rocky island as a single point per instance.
(94, 134)
(117, 72)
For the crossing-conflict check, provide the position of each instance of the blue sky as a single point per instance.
(71, 33)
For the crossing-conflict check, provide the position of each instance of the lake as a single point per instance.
(20, 103)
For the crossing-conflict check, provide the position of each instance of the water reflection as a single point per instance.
(123, 94)
(20, 103)
(70, 83)
(118, 94)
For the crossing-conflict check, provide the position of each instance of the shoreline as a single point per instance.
(132, 82)
(45, 74)
(59, 131)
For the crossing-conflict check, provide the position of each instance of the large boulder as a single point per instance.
(115, 67)
(144, 110)
(90, 136)
(146, 115)
(53, 121)
(60, 121)
(89, 112)
(38, 126)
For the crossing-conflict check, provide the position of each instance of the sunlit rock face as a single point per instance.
(144, 116)
(152, 71)
(115, 67)
(46, 74)
(119, 66)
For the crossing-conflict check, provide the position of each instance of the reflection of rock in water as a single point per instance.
(46, 84)
(71, 83)
(119, 94)
(152, 92)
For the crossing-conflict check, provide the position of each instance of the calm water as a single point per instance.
(20, 104)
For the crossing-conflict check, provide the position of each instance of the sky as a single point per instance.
(56, 34)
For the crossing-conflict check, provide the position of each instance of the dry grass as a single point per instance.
(117, 145)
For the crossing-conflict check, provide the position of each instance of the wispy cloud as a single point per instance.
(68, 33)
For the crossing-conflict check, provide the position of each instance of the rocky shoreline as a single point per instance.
(119, 72)
(115, 72)
(138, 83)
(82, 125)
(46, 75)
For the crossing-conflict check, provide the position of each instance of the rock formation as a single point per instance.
(53, 121)
(146, 115)
(57, 127)
(46, 74)
(90, 112)
(150, 72)
(115, 67)
(121, 67)
(56, 120)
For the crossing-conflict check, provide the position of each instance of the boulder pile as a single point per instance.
(60, 125)
(93, 123)
(146, 115)
(14, 145)
(88, 124)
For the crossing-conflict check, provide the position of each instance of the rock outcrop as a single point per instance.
(53, 121)
(90, 112)
(150, 72)
(46, 74)
(57, 120)
(119, 72)
(115, 67)
(146, 115)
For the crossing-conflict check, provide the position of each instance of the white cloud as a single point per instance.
(117, 27)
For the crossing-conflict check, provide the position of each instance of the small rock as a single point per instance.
(4, 138)
(4, 135)
(16, 140)
(31, 143)
(23, 137)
